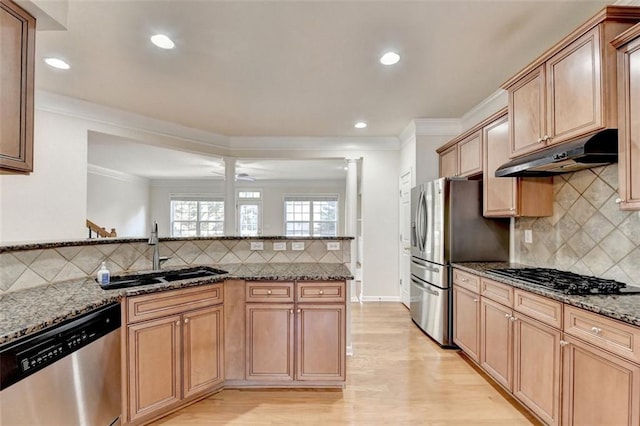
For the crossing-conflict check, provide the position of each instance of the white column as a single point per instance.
(351, 230)
(230, 196)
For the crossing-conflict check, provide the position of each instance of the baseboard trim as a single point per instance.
(381, 298)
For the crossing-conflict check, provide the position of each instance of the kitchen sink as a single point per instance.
(159, 277)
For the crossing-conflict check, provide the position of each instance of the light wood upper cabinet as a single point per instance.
(449, 162)
(629, 118)
(17, 45)
(527, 110)
(463, 156)
(569, 91)
(510, 197)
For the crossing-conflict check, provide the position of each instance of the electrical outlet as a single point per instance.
(528, 236)
(257, 245)
(279, 246)
(333, 245)
(297, 246)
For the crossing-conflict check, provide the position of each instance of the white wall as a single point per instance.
(50, 203)
(120, 201)
(380, 225)
(427, 160)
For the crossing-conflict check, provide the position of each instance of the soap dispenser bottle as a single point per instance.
(103, 275)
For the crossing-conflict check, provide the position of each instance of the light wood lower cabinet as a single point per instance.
(171, 355)
(496, 333)
(599, 388)
(466, 321)
(304, 341)
(270, 333)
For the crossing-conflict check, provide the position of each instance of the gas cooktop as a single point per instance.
(565, 282)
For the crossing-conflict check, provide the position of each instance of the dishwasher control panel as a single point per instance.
(23, 357)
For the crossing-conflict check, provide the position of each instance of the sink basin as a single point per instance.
(159, 277)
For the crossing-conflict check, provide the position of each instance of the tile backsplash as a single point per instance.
(588, 234)
(21, 269)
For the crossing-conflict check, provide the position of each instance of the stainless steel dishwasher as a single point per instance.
(67, 374)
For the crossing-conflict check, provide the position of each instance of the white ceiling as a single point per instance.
(299, 68)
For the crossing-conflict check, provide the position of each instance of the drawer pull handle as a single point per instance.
(321, 292)
(268, 291)
(540, 140)
(563, 343)
(186, 320)
(298, 310)
(507, 315)
(475, 300)
(513, 319)
(464, 280)
(177, 322)
(596, 330)
(291, 311)
(619, 200)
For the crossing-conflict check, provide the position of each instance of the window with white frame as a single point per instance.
(311, 215)
(249, 213)
(197, 216)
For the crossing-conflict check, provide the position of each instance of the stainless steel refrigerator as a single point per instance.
(448, 226)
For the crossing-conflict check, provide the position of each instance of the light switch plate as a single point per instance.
(528, 236)
(257, 245)
(279, 246)
(297, 246)
(333, 245)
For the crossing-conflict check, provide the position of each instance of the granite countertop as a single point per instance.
(624, 307)
(29, 311)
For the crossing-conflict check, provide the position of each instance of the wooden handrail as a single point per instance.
(100, 232)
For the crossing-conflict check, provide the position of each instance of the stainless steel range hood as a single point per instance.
(595, 150)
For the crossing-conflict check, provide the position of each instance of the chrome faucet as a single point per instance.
(153, 241)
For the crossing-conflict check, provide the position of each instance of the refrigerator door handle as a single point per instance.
(424, 288)
(420, 222)
(425, 265)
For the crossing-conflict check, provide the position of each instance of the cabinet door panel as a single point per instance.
(527, 112)
(203, 353)
(449, 162)
(496, 336)
(536, 368)
(574, 88)
(466, 321)
(499, 193)
(629, 126)
(599, 388)
(17, 45)
(470, 155)
(321, 335)
(154, 370)
(269, 345)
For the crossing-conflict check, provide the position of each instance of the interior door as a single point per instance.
(249, 218)
(405, 236)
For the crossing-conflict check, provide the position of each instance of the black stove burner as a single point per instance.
(566, 282)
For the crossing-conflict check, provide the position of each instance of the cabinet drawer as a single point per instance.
(613, 336)
(273, 291)
(156, 305)
(469, 281)
(537, 307)
(497, 292)
(320, 291)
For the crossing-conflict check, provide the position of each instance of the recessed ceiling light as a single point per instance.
(389, 58)
(57, 63)
(162, 41)
(360, 125)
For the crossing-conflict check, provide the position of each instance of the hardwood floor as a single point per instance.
(397, 376)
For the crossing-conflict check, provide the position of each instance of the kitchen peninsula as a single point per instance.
(261, 324)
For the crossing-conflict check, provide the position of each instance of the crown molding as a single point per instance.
(272, 143)
(115, 174)
(491, 104)
(118, 118)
